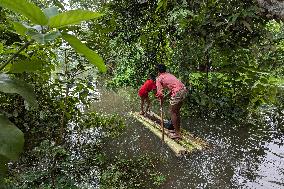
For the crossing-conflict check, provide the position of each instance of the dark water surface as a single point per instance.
(240, 156)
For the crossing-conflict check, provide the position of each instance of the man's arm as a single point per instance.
(159, 93)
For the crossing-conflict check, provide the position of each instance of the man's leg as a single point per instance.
(147, 104)
(175, 116)
(142, 105)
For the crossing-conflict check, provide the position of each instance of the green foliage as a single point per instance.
(43, 156)
(130, 71)
(71, 17)
(40, 34)
(50, 17)
(27, 9)
(41, 127)
(232, 48)
(133, 173)
(112, 124)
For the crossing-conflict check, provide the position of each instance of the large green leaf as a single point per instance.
(92, 56)
(72, 17)
(13, 85)
(11, 139)
(43, 38)
(27, 9)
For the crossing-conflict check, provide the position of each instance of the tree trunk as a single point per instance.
(275, 8)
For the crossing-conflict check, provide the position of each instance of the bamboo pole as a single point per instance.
(162, 120)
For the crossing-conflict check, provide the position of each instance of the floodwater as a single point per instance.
(240, 156)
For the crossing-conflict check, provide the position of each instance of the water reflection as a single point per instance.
(241, 156)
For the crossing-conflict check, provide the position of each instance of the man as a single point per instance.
(178, 93)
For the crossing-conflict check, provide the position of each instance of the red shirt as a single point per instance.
(148, 86)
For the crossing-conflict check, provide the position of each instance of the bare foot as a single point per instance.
(175, 136)
(148, 113)
(172, 131)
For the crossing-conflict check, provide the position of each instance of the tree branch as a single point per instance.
(16, 54)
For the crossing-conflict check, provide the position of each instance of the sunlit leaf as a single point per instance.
(27, 9)
(81, 48)
(20, 28)
(11, 139)
(52, 11)
(13, 85)
(72, 17)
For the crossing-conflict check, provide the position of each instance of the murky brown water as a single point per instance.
(241, 156)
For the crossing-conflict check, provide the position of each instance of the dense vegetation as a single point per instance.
(230, 53)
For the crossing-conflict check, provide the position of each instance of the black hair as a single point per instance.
(161, 68)
(152, 76)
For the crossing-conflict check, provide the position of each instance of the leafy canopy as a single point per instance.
(48, 22)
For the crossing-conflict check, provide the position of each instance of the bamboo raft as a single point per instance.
(181, 147)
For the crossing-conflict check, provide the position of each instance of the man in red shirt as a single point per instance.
(178, 93)
(143, 92)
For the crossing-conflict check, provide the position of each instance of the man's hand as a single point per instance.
(159, 95)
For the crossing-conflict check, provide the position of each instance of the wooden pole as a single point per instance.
(162, 120)
(16, 54)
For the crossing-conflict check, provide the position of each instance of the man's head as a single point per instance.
(161, 68)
